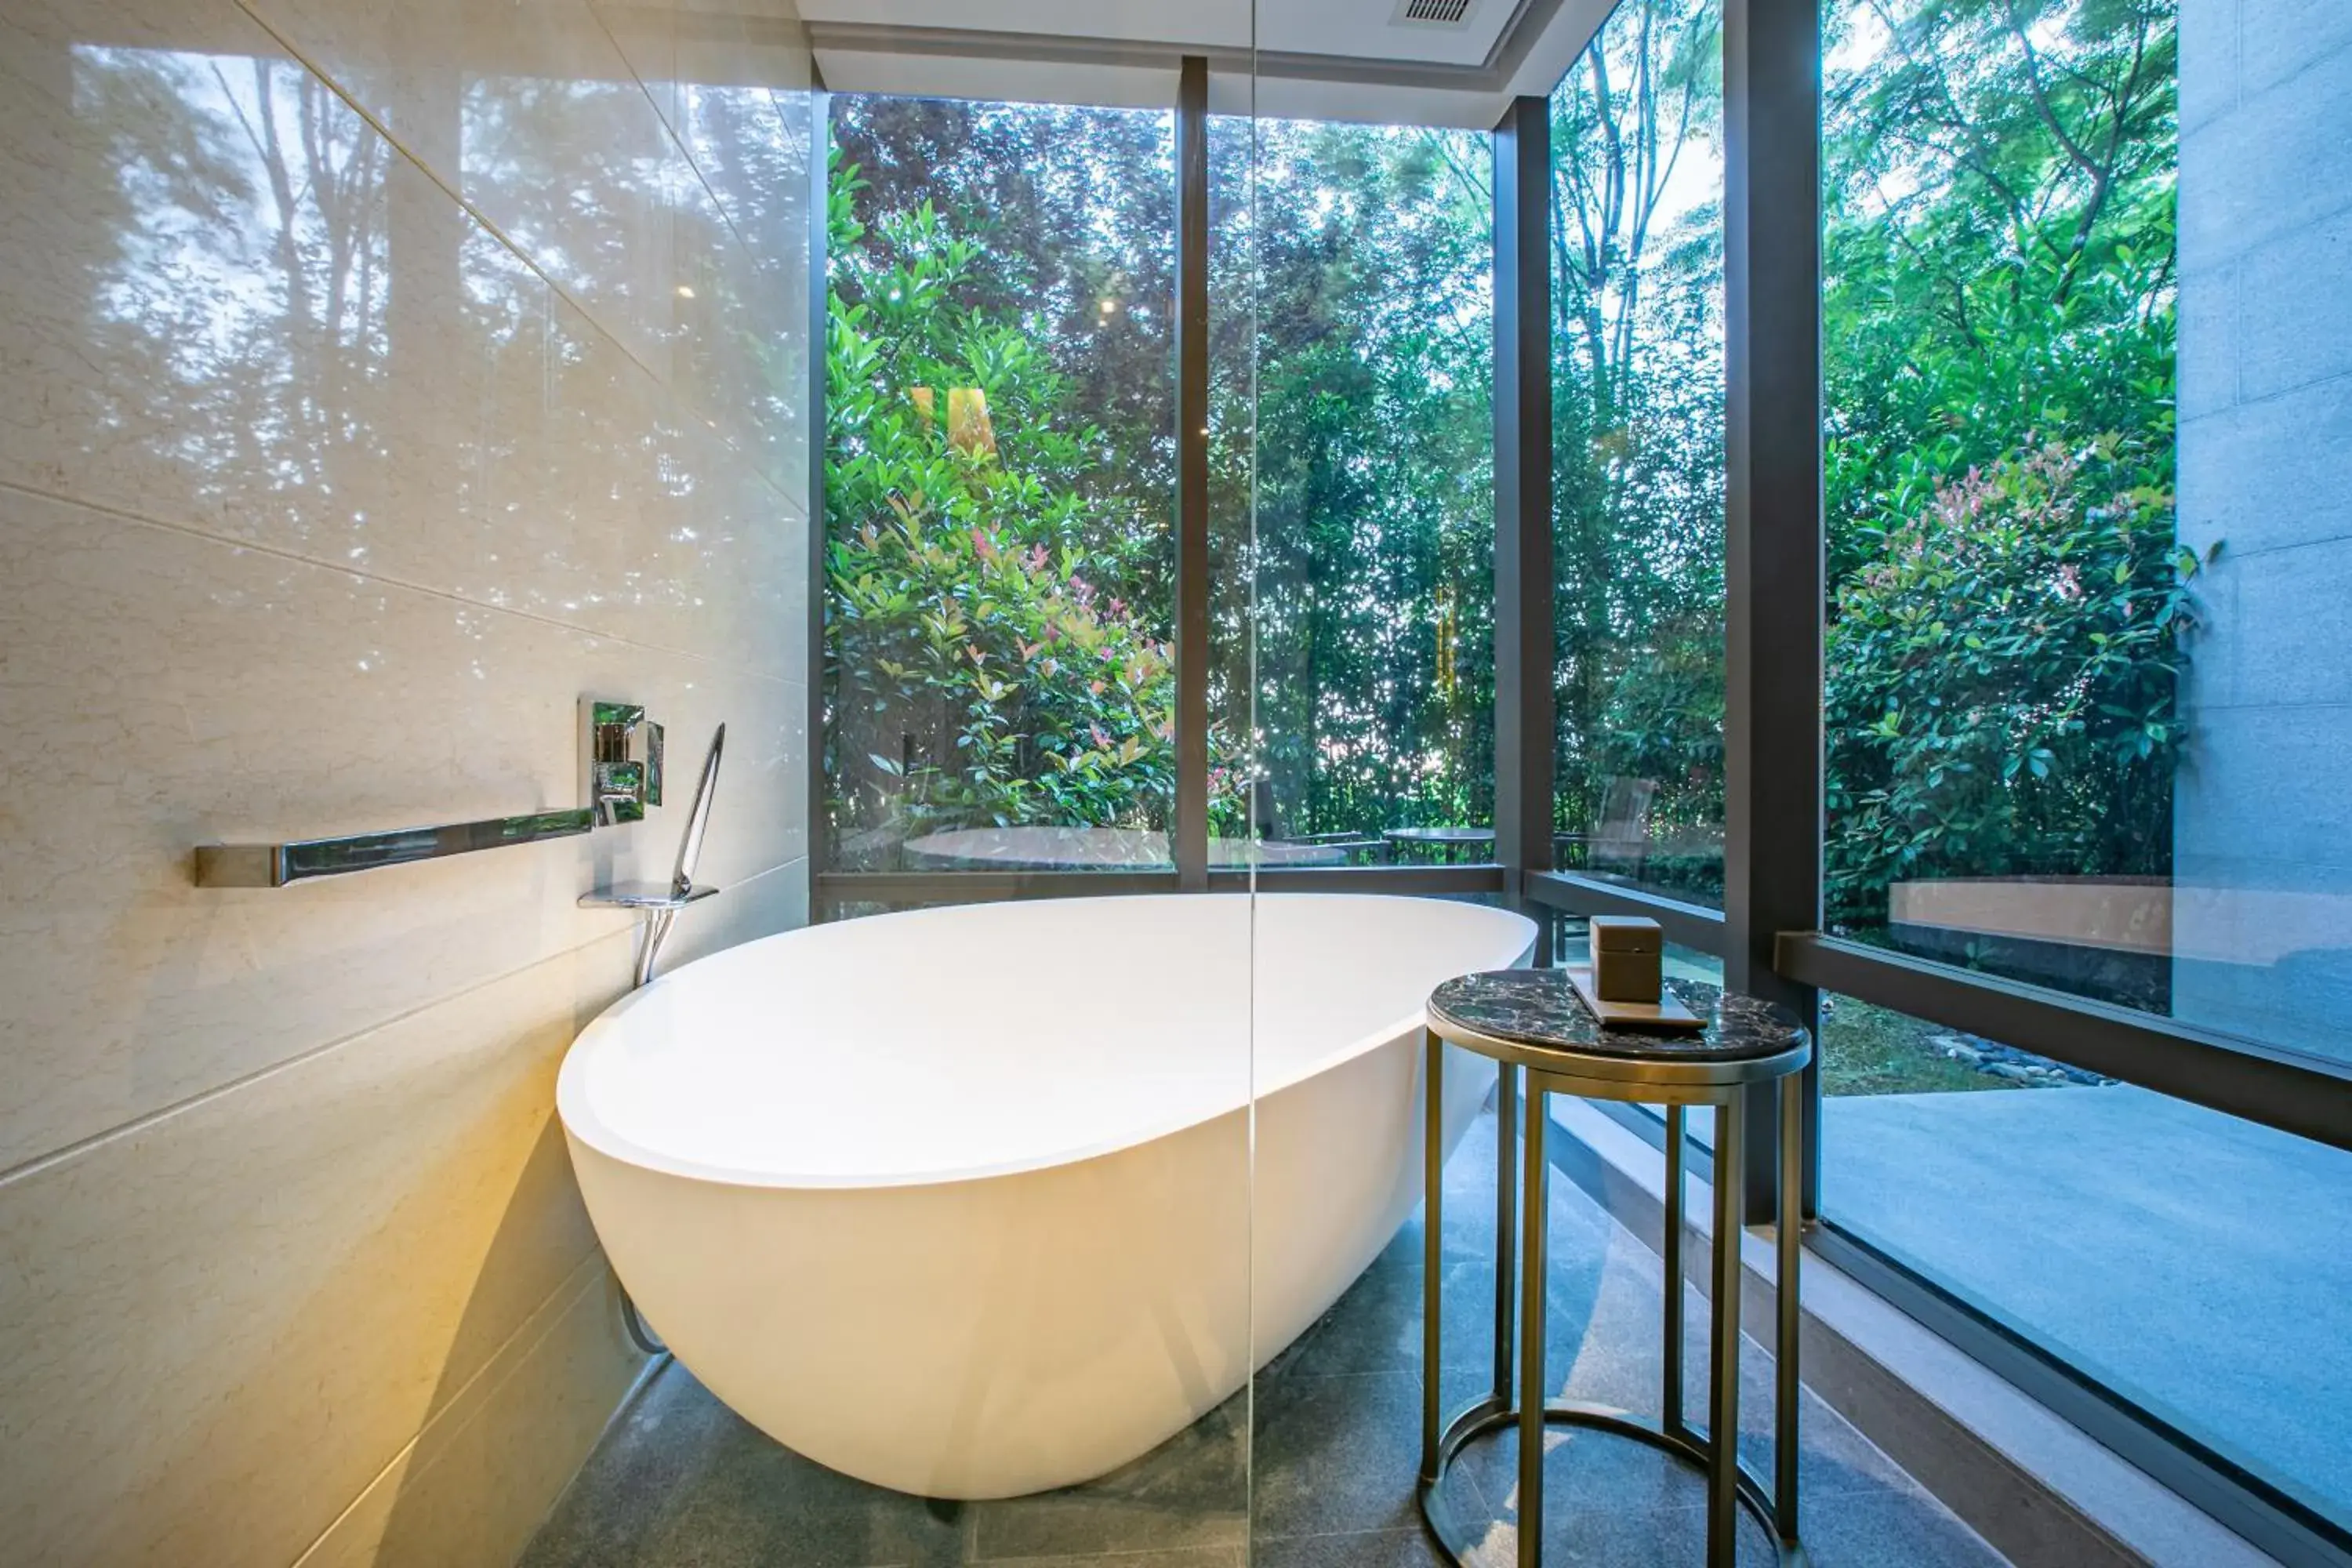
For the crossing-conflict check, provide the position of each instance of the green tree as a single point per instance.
(2008, 607)
(1638, 422)
(1371, 563)
(982, 662)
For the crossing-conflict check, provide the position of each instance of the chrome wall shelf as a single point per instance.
(645, 896)
(620, 756)
(276, 865)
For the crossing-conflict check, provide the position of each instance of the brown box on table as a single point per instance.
(1628, 958)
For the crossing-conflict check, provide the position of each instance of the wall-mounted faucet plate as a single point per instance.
(621, 751)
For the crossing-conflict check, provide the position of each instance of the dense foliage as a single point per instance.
(1638, 468)
(2018, 635)
(975, 570)
(1370, 550)
(2008, 608)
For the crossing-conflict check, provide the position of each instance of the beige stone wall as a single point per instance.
(375, 380)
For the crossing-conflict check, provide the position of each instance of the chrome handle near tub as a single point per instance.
(659, 902)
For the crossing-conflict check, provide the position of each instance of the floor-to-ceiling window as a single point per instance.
(999, 484)
(2013, 601)
(1371, 564)
(1638, 451)
(2083, 676)
(2082, 513)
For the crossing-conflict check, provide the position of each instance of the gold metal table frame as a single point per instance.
(1521, 1204)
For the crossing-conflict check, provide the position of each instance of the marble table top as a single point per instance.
(1538, 1007)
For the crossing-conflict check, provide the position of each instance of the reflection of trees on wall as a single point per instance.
(300, 311)
(250, 277)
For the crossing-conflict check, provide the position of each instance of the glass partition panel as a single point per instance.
(1002, 471)
(1000, 487)
(2087, 519)
(1638, 467)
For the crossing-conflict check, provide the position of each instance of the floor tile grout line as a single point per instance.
(278, 552)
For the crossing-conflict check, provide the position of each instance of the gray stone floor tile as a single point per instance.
(1189, 1493)
(1336, 1454)
(1195, 1557)
(1902, 1525)
(1375, 1549)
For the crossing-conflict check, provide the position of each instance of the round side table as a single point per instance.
(1532, 1023)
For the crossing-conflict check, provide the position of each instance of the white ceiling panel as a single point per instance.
(1355, 29)
(1333, 59)
(1203, 23)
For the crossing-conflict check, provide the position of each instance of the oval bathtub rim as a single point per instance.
(582, 1124)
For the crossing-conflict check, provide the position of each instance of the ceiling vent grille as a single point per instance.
(1437, 13)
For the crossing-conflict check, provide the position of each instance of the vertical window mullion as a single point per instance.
(1190, 823)
(1772, 533)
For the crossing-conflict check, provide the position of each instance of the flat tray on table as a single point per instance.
(1667, 1013)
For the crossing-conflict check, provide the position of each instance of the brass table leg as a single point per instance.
(1533, 1385)
(1723, 1355)
(1431, 1249)
(1507, 1188)
(1670, 1408)
(1787, 1392)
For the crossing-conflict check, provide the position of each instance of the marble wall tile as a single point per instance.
(577, 142)
(753, 145)
(358, 373)
(383, 376)
(171, 691)
(479, 1479)
(745, 910)
(528, 113)
(225, 1324)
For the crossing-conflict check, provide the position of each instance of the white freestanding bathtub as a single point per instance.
(965, 1202)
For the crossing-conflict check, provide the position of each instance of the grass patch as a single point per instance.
(1871, 1050)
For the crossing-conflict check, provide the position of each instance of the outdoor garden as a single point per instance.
(2008, 613)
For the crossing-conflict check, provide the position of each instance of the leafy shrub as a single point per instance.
(2004, 674)
(981, 664)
